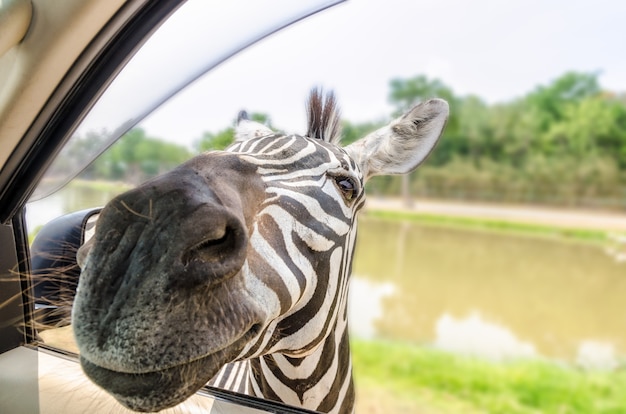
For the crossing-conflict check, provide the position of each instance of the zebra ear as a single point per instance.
(247, 129)
(401, 146)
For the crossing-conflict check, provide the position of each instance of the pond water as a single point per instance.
(69, 199)
(490, 294)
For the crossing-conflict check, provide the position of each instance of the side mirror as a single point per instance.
(54, 269)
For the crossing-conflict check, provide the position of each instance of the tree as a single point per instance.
(405, 93)
(137, 156)
(550, 101)
(564, 142)
(222, 139)
(591, 126)
(210, 141)
(352, 132)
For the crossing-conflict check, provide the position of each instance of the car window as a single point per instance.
(111, 151)
(192, 38)
(492, 276)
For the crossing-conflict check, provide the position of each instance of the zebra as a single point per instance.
(233, 268)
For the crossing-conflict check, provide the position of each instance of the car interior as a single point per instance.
(67, 66)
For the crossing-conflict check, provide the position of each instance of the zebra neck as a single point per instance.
(321, 381)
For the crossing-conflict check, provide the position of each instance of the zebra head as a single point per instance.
(239, 255)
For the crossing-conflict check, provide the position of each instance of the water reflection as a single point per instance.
(552, 295)
(74, 197)
(488, 293)
(366, 305)
(477, 337)
(597, 355)
(617, 248)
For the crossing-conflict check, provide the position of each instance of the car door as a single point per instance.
(73, 65)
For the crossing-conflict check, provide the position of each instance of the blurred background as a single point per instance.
(493, 278)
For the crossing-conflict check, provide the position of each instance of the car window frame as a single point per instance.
(71, 101)
(74, 97)
(88, 78)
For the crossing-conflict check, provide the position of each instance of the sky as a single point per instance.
(498, 50)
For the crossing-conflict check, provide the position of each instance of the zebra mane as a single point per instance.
(323, 117)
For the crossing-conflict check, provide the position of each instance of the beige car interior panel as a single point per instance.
(15, 18)
(41, 46)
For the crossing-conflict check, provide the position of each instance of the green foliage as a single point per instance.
(352, 132)
(552, 100)
(136, 157)
(405, 93)
(222, 139)
(217, 141)
(453, 383)
(262, 119)
(563, 143)
(490, 224)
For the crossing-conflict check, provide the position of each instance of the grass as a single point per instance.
(422, 380)
(491, 224)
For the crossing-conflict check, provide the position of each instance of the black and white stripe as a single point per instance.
(302, 242)
(236, 265)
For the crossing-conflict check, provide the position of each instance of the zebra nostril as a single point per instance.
(217, 257)
(213, 250)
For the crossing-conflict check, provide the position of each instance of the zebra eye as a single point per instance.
(347, 187)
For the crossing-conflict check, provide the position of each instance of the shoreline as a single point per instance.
(554, 217)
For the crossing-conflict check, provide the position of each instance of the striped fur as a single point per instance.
(234, 268)
(308, 364)
(323, 117)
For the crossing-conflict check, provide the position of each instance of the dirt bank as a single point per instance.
(567, 218)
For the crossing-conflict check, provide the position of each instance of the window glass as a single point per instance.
(198, 37)
(491, 278)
